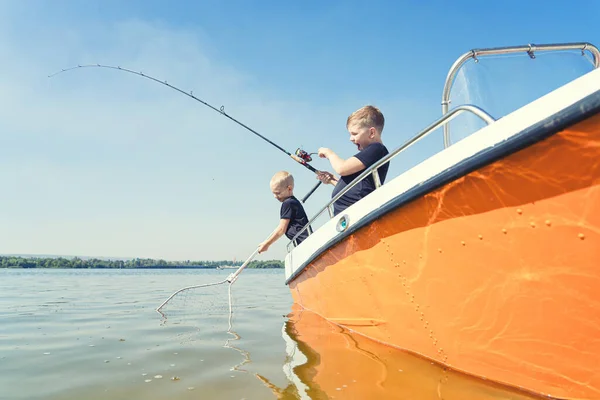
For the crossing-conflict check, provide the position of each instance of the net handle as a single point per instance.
(232, 277)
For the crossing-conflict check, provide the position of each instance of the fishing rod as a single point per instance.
(300, 156)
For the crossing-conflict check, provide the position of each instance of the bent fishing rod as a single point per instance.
(301, 156)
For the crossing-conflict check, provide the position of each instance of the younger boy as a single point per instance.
(292, 215)
(365, 126)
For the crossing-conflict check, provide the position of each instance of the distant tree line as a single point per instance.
(60, 262)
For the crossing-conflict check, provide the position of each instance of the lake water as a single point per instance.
(96, 334)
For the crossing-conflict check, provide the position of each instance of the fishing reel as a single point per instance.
(304, 155)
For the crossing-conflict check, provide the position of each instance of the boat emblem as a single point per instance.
(342, 223)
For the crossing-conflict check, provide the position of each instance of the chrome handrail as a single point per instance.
(529, 49)
(442, 121)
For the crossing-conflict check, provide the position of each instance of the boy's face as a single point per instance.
(281, 192)
(361, 135)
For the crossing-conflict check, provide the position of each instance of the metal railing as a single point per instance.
(530, 49)
(442, 121)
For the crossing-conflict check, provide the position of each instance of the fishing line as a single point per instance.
(300, 156)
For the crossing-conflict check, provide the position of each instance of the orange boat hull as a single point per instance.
(496, 274)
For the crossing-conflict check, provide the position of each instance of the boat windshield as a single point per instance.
(500, 84)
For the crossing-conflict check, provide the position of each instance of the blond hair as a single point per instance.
(282, 178)
(366, 117)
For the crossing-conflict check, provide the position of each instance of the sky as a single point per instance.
(97, 162)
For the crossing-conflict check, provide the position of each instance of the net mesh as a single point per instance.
(199, 310)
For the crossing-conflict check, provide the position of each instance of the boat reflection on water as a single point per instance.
(326, 361)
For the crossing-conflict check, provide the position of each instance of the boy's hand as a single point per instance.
(324, 152)
(326, 177)
(263, 247)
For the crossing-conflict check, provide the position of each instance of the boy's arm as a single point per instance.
(277, 233)
(341, 166)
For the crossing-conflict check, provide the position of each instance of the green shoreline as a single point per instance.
(136, 263)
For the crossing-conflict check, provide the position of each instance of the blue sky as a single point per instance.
(101, 163)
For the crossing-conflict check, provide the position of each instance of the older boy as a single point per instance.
(365, 126)
(292, 215)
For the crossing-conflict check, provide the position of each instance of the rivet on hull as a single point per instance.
(548, 222)
(581, 236)
(519, 211)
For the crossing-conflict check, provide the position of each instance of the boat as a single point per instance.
(483, 258)
(232, 266)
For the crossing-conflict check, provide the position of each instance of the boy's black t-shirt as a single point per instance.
(292, 209)
(369, 156)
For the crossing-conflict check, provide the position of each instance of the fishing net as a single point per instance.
(205, 307)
